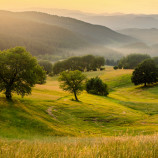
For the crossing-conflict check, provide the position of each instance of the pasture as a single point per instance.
(49, 123)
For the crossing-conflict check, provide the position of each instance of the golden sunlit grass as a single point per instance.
(110, 147)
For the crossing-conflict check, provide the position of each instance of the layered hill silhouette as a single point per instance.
(42, 33)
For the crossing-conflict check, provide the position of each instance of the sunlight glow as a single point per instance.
(95, 6)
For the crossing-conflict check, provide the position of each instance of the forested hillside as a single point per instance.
(39, 38)
(45, 34)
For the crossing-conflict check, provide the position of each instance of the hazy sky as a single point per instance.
(96, 6)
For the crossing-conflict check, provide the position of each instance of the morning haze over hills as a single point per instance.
(78, 82)
(43, 34)
(58, 32)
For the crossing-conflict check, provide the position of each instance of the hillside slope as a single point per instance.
(149, 36)
(39, 38)
(94, 33)
(51, 112)
(47, 34)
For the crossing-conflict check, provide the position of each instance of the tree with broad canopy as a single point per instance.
(145, 73)
(19, 72)
(72, 81)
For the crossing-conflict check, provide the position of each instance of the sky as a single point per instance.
(93, 6)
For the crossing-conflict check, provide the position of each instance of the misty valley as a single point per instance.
(78, 85)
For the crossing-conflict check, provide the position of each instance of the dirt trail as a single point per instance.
(49, 111)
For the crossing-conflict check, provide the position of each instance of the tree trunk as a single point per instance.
(145, 84)
(8, 94)
(75, 96)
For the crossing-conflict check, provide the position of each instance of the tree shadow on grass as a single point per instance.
(77, 101)
(148, 86)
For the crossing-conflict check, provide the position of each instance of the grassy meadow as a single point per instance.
(49, 123)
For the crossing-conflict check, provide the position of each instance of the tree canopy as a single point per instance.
(72, 81)
(84, 63)
(96, 86)
(19, 71)
(132, 60)
(145, 73)
(155, 60)
(47, 66)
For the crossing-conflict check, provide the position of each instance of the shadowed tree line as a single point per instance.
(84, 63)
(132, 60)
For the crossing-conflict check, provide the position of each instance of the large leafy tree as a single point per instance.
(19, 71)
(72, 81)
(145, 73)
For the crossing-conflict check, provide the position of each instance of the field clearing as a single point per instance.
(49, 111)
(49, 124)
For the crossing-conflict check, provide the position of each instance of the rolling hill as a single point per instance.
(112, 20)
(44, 34)
(149, 36)
(39, 38)
(49, 111)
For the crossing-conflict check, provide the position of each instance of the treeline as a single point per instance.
(84, 63)
(132, 60)
(111, 62)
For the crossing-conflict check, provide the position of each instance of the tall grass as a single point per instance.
(110, 147)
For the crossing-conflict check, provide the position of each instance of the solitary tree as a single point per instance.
(19, 71)
(145, 73)
(72, 81)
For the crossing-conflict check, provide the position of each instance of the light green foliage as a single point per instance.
(19, 72)
(72, 81)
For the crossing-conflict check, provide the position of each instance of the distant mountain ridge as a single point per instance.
(94, 33)
(114, 21)
(43, 34)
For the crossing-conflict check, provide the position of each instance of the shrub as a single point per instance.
(115, 67)
(96, 86)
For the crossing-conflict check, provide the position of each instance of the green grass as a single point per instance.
(49, 111)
